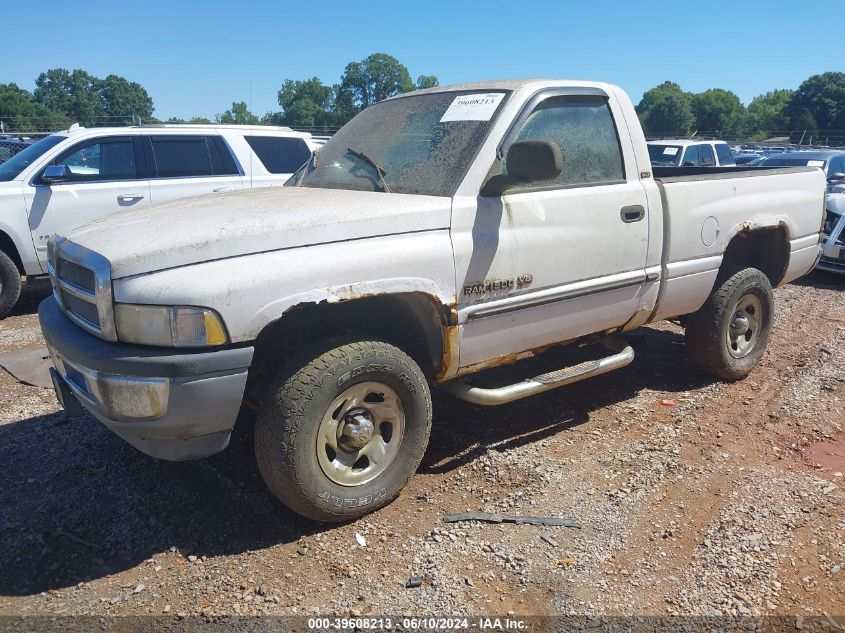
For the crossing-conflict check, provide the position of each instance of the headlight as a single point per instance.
(169, 326)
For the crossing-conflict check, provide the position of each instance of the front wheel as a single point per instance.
(342, 430)
(10, 285)
(727, 336)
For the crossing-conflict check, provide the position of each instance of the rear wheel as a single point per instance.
(343, 429)
(727, 336)
(10, 285)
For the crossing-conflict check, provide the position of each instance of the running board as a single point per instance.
(545, 382)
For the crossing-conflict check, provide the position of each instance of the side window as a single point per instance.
(583, 128)
(726, 157)
(691, 157)
(222, 162)
(178, 156)
(837, 166)
(705, 153)
(279, 154)
(100, 159)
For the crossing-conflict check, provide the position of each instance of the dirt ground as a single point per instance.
(729, 500)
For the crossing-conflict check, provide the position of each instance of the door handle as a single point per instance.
(222, 189)
(131, 196)
(632, 213)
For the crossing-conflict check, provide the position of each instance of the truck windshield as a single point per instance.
(420, 144)
(665, 155)
(10, 169)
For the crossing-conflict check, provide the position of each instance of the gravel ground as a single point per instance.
(728, 501)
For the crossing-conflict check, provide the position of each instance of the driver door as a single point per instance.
(105, 178)
(553, 261)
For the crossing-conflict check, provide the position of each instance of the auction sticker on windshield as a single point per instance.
(670, 151)
(475, 107)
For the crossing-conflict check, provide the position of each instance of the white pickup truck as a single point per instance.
(439, 233)
(74, 176)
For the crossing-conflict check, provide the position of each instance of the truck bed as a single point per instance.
(705, 207)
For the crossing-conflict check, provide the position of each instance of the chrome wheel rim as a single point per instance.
(360, 434)
(744, 328)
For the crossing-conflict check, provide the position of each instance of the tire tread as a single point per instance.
(285, 411)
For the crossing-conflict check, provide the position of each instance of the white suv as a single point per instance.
(690, 153)
(71, 177)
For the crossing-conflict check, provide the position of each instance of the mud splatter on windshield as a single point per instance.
(417, 150)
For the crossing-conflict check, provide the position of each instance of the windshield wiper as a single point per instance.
(381, 171)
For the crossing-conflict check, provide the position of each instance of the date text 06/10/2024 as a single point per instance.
(416, 624)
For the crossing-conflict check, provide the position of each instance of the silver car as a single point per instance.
(833, 247)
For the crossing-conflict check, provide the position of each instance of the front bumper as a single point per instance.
(169, 404)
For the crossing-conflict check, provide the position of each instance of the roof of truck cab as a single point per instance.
(512, 84)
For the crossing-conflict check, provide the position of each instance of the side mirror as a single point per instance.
(527, 161)
(837, 177)
(55, 173)
(688, 163)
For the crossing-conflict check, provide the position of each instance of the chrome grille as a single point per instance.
(82, 287)
(81, 308)
(79, 276)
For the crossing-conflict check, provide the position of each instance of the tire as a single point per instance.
(10, 285)
(321, 420)
(727, 336)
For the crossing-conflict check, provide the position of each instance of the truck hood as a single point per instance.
(221, 225)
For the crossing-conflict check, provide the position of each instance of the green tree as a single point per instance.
(199, 120)
(427, 81)
(819, 104)
(19, 113)
(767, 114)
(74, 94)
(717, 110)
(805, 127)
(374, 79)
(306, 103)
(122, 99)
(91, 101)
(665, 110)
(238, 114)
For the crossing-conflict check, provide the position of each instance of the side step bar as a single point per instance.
(545, 382)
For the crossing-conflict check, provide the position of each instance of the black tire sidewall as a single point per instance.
(10, 285)
(707, 329)
(301, 482)
(750, 285)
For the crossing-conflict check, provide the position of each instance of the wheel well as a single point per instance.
(8, 247)
(413, 322)
(766, 249)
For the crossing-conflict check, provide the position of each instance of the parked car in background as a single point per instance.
(74, 176)
(744, 158)
(833, 246)
(690, 153)
(438, 233)
(831, 162)
(11, 145)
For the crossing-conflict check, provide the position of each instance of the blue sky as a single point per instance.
(195, 58)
